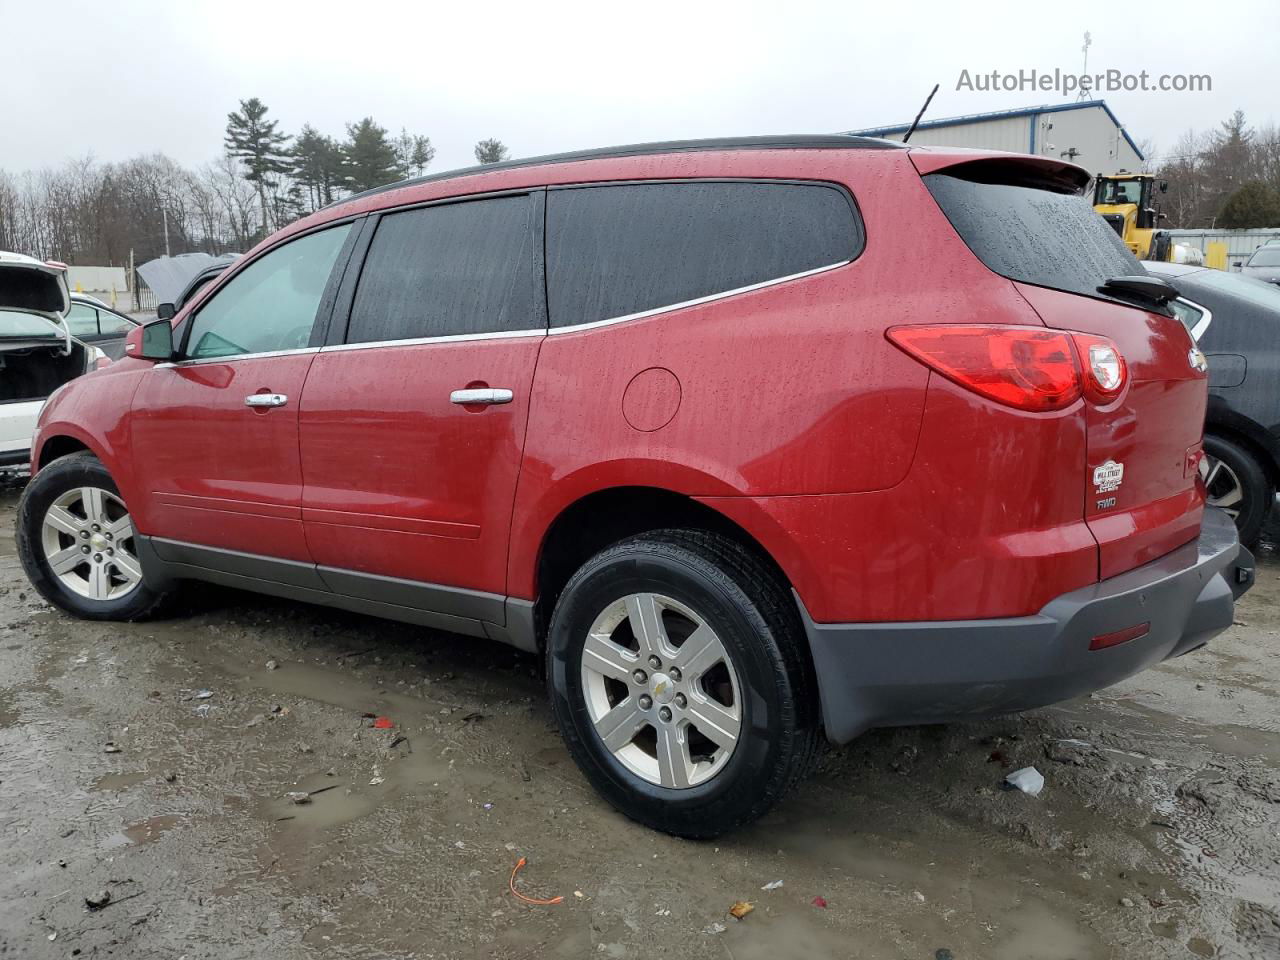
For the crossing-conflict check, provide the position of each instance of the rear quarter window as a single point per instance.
(1031, 232)
(622, 249)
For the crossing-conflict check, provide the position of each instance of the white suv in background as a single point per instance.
(37, 352)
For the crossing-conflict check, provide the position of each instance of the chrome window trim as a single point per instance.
(198, 361)
(539, 331)
(445, 338)
(1206, 317)
(697, 301)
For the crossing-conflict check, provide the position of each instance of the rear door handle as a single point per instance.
(487, 395)
(265, 400)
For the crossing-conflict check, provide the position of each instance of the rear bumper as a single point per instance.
(887, 674)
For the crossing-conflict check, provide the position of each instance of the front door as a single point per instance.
(215, 434)
(412, 422)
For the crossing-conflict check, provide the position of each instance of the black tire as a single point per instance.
(75, 470)
(755, 619)
(1259, 492)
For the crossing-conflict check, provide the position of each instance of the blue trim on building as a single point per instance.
(1033, 112)
(1033, 122)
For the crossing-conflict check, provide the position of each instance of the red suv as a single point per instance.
(754, 440)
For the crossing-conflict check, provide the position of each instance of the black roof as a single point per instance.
(820, 141)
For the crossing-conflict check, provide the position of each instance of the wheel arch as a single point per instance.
(59, 445)
(604, 516)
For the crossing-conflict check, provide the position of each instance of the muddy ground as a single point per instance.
(1157, 834)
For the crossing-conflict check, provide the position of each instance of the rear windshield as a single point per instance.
(25, 326)
(1033, 234)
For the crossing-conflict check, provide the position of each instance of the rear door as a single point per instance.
(413, 419)
(1026, 221)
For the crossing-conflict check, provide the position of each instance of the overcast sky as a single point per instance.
(115, 79)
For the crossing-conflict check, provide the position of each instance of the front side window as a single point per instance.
(82, 320)
(452, 269)
(621, 249)
(1266, 257)
(271, 304)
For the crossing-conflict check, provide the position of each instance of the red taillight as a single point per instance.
(1104, 368)
(1029, 368)
(1104, 640)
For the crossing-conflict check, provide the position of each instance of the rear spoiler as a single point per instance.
(1014, 169)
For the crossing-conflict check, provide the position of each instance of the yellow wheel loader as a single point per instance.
(1129, 203)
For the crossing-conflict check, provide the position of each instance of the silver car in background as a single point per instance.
(1264, 264)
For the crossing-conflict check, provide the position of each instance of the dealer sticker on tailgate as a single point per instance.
(1108, 477)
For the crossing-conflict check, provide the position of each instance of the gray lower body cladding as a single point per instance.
(471, 612)
(890, 674)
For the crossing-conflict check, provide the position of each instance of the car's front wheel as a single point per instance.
(76, 542)
(679, 678)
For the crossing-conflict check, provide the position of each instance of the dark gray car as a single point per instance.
(1236, 322)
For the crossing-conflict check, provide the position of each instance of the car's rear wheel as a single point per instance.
(678, 673)
(76, 542)
(1235, 481)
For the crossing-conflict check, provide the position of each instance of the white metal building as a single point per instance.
(1085, 133)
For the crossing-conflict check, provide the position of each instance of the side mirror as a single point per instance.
(166, 311)
(152, 341)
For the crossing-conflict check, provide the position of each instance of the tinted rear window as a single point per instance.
(452, 269)
(618, 250)
(1033, 234)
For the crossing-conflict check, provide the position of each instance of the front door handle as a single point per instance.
(486, 395)
(265, 400)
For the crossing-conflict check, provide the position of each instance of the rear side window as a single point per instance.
(618, 250)
(1033, 234)
(452, 269)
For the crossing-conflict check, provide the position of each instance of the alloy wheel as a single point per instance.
(661, 690)
(87, 537)
(1223, 487)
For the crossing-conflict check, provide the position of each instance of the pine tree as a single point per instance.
(491, 151)
(1255, 205)
(253, 140)
(369, 157)
(317, 165)
(414, 151)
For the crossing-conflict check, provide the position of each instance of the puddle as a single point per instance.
(143, 832)
(1036, 932)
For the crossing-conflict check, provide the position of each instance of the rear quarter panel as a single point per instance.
(787, 391)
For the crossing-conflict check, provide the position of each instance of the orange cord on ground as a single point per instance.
(520, 896)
